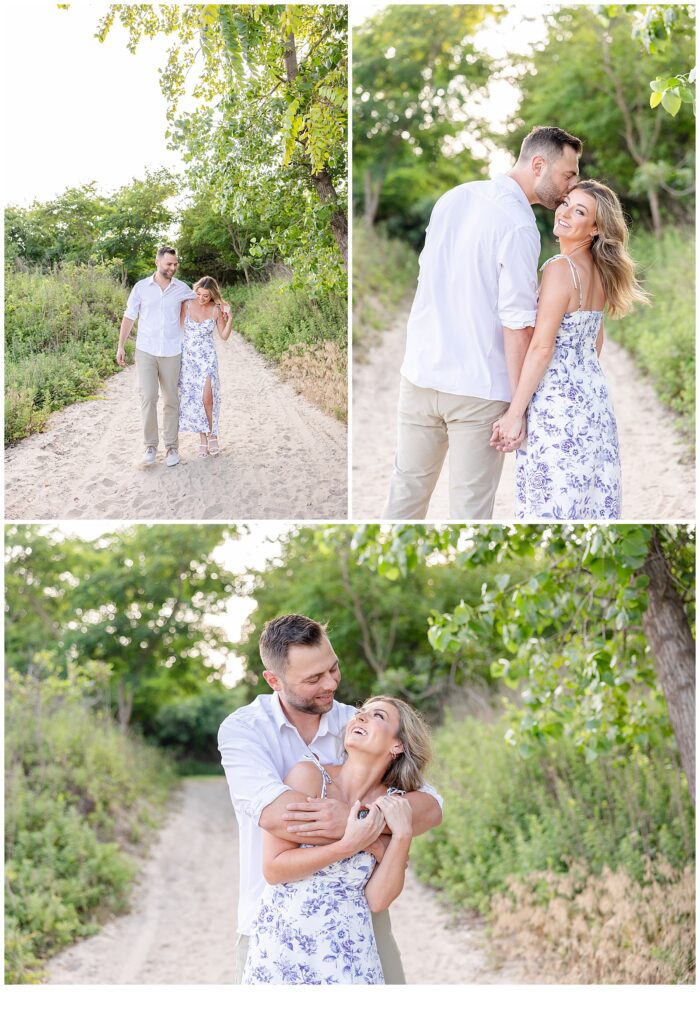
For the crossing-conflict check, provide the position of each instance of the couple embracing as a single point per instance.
(491, 368)
(327, 799)
(175, 353)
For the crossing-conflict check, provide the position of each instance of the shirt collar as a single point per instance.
(511, 184)
(281, 720)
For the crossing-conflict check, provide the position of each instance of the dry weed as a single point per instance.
(602, 929)
(320, 374)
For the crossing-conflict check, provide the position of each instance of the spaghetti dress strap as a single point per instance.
(574, 274)
(326, 779)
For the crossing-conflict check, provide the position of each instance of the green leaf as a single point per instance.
(654, 99)
(671, 102)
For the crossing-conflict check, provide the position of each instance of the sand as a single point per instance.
(658, 470)
(181, 929)
(281, 457)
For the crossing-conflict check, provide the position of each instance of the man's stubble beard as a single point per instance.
(548, 196)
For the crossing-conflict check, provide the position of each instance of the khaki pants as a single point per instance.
(153, 371)
(429, 422)
(386, 946)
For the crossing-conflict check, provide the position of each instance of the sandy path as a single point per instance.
(281, 457)
(658, 472)
(182, 926)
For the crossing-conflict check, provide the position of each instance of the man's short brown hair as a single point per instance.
(549, 142)
(166, 250)
(280, 634)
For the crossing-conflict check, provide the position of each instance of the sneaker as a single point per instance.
(149, 457)
(172, 458)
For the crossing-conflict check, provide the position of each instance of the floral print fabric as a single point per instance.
(198, 362)
(569, 466)
(317, 931)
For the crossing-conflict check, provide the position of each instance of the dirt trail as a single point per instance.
(281, 458)
(182, 931)
(658, 472)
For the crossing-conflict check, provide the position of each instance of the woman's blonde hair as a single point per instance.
(212, 286)
(406, 770)
(609, 250)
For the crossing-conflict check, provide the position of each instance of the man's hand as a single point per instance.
(505, 444)
(121, 355)
(316, 817)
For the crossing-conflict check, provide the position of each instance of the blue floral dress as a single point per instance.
(198, 362)
(569, 466)
(317, 931)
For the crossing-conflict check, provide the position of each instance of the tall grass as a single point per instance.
(61, 332)
(306, 336)
(517, 833)
(661, 336)
(80, 797)
(384, 275)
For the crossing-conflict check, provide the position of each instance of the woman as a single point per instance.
(313, 925)
(569, 466)
(200, 393)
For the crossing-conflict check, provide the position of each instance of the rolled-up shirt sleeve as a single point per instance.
(517, 278)
(133, 303)
(253, 780)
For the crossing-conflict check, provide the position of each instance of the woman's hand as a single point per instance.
(362, 832)
(398, 815)
(509, 430)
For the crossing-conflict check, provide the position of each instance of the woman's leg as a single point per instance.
(207, 400)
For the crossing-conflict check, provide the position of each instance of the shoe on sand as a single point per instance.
(172, 458)
(149, 457)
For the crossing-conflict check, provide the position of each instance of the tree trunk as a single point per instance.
(653, 197)
(673, 649)
(373, 190)
(339, 222)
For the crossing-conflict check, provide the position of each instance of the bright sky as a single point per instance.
(77, 110)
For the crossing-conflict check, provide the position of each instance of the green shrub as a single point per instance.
(662, 336)
(384, 275)
(78, 794)
(505, 816)
(61, 330)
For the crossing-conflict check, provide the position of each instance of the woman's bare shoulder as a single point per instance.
(305, 777)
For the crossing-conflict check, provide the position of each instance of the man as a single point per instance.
(470, 326)
(261, 742)
(156, 301)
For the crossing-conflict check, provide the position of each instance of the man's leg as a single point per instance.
(420, 453)
(475, 467)
(241, 955)
(169, 374)
(147, 373)
(387, 949)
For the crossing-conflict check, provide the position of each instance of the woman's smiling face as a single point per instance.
(203, 296)
(574, 218)
(375, 726)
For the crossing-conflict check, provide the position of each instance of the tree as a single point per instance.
(273, 90)
(137, 220)
(140, 601)
(577, 631)
(416, 71)
(645, 157)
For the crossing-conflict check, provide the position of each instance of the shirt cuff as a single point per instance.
(517, 321)
(264, 797)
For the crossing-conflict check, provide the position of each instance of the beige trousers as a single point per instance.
(429, 422)
(386, 947)
(153, 371)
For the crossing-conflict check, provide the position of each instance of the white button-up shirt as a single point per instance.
(478, 274)
(259, 746)
(158, 312)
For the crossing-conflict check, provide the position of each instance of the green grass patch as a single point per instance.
(508, 817)
(384, 275)
(80, 797)
(661, 336)
(61, 332)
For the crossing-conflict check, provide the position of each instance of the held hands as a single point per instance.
(509, 432)
(398, 815)
(363, 832)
